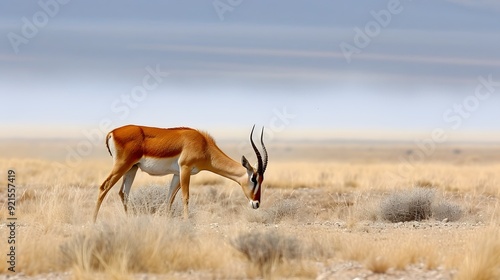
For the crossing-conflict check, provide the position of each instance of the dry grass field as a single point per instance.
(329, 211)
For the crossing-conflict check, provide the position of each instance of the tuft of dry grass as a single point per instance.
(397, 253)
(482, 262)
(140, 244)
(425, 184)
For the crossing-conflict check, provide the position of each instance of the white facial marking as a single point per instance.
(256, 189)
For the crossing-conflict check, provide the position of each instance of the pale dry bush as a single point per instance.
(445, 210)
(417, 204)
(266, 250)
(408, 205)
(148, 200)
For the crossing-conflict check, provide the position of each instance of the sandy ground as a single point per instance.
(325, 195)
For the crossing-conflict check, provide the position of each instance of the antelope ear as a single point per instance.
(246, 164)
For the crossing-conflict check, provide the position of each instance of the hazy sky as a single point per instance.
(297, 66)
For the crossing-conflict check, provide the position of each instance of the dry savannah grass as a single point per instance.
(329, 211)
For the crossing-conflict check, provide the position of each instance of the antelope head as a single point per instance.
(252, 186)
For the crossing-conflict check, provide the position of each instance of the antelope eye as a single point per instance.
(254, 179)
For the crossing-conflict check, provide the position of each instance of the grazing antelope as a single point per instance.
(180, 151)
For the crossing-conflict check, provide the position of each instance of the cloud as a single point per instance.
(482, 4)
(17, 58)
(263, 52)
(240, 51)
(429, 59)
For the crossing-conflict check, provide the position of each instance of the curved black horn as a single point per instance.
(264, 149)
(260, 166)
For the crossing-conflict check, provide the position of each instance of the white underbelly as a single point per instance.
(161, 166)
